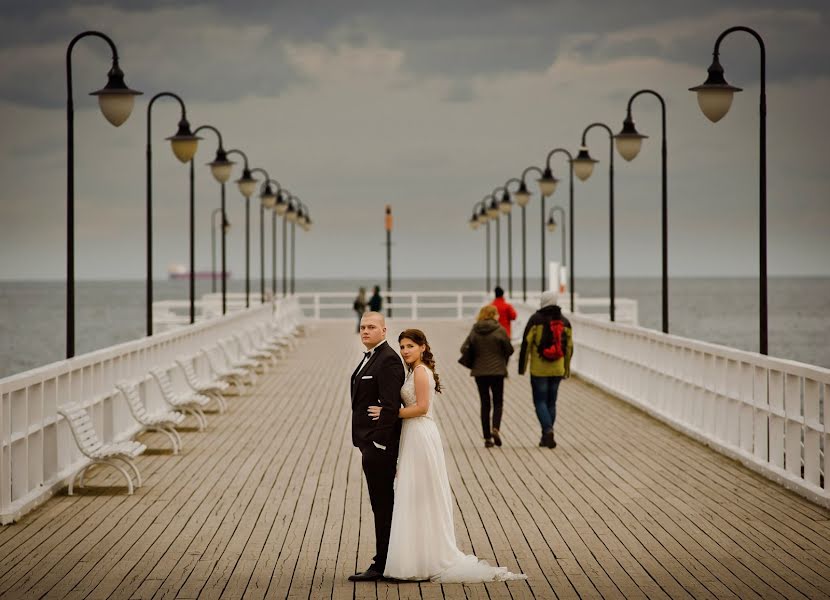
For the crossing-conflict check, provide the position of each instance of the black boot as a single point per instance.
(548, 439)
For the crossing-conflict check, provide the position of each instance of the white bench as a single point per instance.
(164, 422)
(100, 454)
(192, 404)
(213, 389)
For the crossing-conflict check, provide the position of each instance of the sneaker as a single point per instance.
(496, 437)
(488, 443)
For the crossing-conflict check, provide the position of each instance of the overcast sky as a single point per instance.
(426, 106)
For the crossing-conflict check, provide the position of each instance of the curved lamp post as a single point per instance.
(493, 212)
(583, 166)
(116, 102)
(281, 208)
(247, 186)
(522, 199)
(479, 217)
(552, 225)
(184, 145)
(629, 141)
(269, 198)
(715, 97)
(225, 228)
(301, 219)
(506, 207)
(220, 168)
(547, 185)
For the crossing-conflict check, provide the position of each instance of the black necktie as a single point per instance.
(367, 354)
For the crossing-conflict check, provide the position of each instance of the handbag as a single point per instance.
(467, 357)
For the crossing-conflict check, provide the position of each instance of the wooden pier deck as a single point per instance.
(270, 503)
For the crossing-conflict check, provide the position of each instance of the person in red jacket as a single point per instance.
(506, 311)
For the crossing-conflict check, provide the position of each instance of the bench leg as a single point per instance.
(134, 468)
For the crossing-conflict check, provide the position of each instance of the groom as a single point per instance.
(377, 380)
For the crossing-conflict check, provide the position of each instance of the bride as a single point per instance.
(422, 541)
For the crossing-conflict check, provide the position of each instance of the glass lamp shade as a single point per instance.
(184, 143)
(247, 184)
(714, 96)
(551, 224)
(291, 214)
(493, 209)
(116, 100)
(221, 167)
(268, 197)
(547, 183)
(281, 206)
(629, 140)
(583, 164)
(307, 225)
(506, 205)
(473, 222)
(522, 195)
(482, 216)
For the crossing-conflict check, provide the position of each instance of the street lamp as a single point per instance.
(549, 183)
(715, 97)
(506, 207)
(479, 217)
(116, 103)
(629, 142)
(583, 167)
(184, 144)
(225, 228)
(270, 199)
(522, 199)
(284, 203)
(220, 168)
(267, 199)
(552, 224)
(247, 186)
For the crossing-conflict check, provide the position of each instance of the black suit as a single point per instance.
(379, 383)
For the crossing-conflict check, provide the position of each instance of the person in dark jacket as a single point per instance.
(547, 347)
(490, 348)
(375, 302)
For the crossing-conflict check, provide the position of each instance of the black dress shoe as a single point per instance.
(496, 437)
(367, 575)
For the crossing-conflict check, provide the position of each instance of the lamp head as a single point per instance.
(482, 214)
(629, 140)
(714, 96)
(246, 183)
(547, 182)
(184, 143)
(473, 222)
(493, 208)
(522, 195)
(583, 164)
(506, 204)
(221, 167)
(281, 205)
(551, 224)
(115, 99)
(268, 197)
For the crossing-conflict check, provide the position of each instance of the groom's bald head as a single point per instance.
(372, 329)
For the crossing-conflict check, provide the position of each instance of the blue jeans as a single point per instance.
(545, 390)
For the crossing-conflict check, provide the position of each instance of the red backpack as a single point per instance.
(554, 340)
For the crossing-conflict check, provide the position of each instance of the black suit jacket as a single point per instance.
(379, 383)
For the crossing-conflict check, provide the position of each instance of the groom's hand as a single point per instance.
(374, 412)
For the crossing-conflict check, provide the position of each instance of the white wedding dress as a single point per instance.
(422, 540)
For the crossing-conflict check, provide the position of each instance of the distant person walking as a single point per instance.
(506, 311)
(489, 347)
(375, 302)
(547, 346)
(359, 305)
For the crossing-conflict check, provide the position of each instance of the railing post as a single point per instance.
(317, 307)
(414, 304)
(460, 305)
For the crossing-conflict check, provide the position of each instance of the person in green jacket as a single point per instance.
(547, 347)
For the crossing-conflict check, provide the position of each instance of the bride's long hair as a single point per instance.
(418, 336)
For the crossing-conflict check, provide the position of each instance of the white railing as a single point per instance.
(455, 305)
(36, 448)
(171, 314)
(768, 413)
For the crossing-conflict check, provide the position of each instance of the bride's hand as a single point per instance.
(374, 412)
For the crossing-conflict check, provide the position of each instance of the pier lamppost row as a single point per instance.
(247, 186)
(547, 186)
(281, 208)
(220, 168)
(304, 223)
(629, 141)
(714, 96)
(265, 201)
(522, 199)
(583, 167)
(552, 225)
(116, 102)
(184, 144)
(479, 217)
(225, 227)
